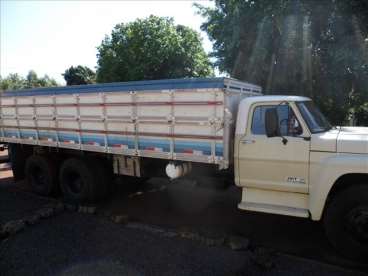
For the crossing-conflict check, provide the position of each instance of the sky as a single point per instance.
(50, 36)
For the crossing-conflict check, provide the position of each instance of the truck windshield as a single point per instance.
(315, 120)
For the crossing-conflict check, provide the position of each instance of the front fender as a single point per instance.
(325, 169)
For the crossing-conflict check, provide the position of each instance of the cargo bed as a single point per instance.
(181, 119)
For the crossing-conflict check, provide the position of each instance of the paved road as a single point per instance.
(83, 244)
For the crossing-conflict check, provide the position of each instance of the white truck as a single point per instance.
(281, 151)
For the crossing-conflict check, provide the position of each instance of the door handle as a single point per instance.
(246, 141)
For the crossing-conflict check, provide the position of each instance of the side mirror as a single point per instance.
(272, 123)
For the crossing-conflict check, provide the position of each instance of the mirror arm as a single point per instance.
(284, 140)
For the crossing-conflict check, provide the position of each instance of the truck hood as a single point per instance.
(342, 139)
(352, 140)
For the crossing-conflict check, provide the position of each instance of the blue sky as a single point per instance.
(50, 36)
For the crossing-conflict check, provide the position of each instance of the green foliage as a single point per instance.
(12, 82)
(152, 48)
(79, 75)
(306, 47)
(17, 82)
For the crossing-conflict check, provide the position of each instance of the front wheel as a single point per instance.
(346, 222)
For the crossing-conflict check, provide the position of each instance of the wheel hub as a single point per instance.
(38, 177)
(357, 221)
(75, 182)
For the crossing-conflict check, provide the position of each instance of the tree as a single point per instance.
(17, 82)
(306, 47)
(152, 48)
(12, 82)
(79, 75)
(32, 80)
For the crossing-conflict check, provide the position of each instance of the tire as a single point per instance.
(17, 156)
(346, 222)
(41, 175)
(104, 168)
(83, 180)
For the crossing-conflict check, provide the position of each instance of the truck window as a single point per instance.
(314, 118)
(289, 124)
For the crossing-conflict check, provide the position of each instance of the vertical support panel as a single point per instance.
(213, 130)
(55, 118)
(134, 120)
(35, 119)
(172, 124)
(17, 117)
(77, 106)
(227, 127)
(120, 123)
(9, 120)
(1, 119)
(103, 98)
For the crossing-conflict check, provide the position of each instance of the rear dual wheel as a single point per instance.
(84, 180)
(18, 154)
(41, 175)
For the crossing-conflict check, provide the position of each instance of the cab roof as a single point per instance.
(275, 98)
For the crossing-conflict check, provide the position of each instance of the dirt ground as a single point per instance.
(167, 229)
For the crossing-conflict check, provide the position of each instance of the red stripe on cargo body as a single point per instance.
(92, 143)
(46, 139)
(118, 104)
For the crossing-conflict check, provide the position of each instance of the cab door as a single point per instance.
(276, 163)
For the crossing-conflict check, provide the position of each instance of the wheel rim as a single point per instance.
(38, 177)
(74, 182)
(357, 223)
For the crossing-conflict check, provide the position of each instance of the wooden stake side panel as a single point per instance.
(181, 125)
(182, 119)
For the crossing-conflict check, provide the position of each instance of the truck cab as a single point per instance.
(289, 160)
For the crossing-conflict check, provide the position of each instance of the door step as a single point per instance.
(5, 167)
(4, 158)
(274, 209)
